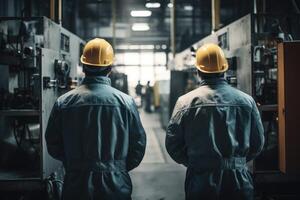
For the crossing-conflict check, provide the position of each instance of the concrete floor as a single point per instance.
(158, 177)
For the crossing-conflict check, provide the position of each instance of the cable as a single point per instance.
(296, 6)
(50, 182)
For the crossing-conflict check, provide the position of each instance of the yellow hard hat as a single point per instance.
(211, 59)
(97, 52)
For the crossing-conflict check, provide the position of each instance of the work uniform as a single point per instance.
(95, 130)
(214, 130)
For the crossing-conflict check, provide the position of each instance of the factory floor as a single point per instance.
(158, 177)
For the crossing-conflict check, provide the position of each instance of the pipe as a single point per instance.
(215, 14)
(52, 10)
(60, 12)
(173, 28)
(114, 23)
(194, 19)
(27, 8)
(255, 16)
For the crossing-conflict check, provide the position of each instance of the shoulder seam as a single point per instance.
(214, 105)
(83, 105)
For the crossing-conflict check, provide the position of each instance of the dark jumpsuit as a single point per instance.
(214, 131)
(95, 130)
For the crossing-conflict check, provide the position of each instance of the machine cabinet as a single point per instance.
(288, 106)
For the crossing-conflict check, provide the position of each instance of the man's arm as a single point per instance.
(175, 142)
(257, 138)
(137, 140)
(53, 134)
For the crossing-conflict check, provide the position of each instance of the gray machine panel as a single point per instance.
(50, 43)
(244, 70)
(48, 97)
(233, 47)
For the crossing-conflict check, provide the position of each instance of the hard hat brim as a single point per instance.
(92, 64)
(199, 67)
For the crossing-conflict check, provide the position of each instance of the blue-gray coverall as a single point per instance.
(95, 130)
(214, 130)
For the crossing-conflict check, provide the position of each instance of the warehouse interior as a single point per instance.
(154, 42)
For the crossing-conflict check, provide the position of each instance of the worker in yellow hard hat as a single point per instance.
(95, 130)
(214, 131)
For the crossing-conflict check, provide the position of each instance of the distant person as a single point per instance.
(139, 93)
(214, 131)
(95, 130)
(148, 97)
(138, 89)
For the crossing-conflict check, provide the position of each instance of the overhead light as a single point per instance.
(140, 13)
(140, 27)
(134, 47)
(164, 46)
(153, 5)
(170, 5)
(122, 47)
(148, 46)
(188, 7)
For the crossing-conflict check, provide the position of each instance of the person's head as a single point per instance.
(211, 61)
(97, 58)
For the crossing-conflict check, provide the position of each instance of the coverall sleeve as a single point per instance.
(257, 134)
(137, 140)
(175, 142)
(53, 134)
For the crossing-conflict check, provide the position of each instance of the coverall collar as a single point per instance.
(96, 79)
(213, 81)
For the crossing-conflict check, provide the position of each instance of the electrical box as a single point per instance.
(288, 106)
(39, 61)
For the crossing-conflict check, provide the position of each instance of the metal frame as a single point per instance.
(50, 48)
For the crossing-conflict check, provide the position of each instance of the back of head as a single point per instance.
(211, 61)
(97, 57)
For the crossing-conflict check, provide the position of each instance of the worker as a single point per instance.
(138, 89)
(214, 131)
(139, 93)
(95, 130)
(148, 97)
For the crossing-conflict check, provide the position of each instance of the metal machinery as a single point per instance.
(255, 57)
(161, 94)
(38, 62)
(119, 81)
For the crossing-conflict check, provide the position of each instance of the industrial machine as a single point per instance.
(119, 81)
(161, 98)
(38, 63)
(262, 62)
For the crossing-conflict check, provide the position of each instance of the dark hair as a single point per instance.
(210, 75)
(96, 71)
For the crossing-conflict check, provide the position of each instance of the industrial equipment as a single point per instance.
(38, 63)
(119, 81)
(255, 55)
(161, 91)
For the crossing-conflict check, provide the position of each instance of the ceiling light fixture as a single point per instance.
(170, 5)
(140, 27)
(140, 13)
(147, 46)
(188, 7)
(134, 47)
(122, 47)
(153, 5)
